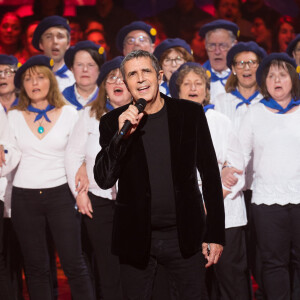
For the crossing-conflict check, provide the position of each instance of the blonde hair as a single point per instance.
(98, 106)
(54, 95)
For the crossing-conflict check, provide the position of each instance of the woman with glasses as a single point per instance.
(84, 60)
(95, 204)
(8, 68)
(171, 54)
(41, 125)
(270, 135)
(191, 82)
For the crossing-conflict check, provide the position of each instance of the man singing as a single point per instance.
(159, 212)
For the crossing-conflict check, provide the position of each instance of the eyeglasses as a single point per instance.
(114, 79)
(140, 39)
(242, 64)
(7, 73)
(169, 61)
(213, 46)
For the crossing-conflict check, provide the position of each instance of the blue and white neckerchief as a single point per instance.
(15, 103)
(40, 112)
(208, 106)
(214, 77)
(271, 103)
(237, 94)
(165, 85)
(69, 94)
(61, 72)
(108, 105)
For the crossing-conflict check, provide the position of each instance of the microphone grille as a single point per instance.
(141, 104)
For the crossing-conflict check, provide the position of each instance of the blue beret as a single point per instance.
(8, 60)
(170, 43)
(108, 66)
(222, 24)
(267, 61)
(52, 21)
(290, 48)
(174, 91)
(136, 25)
(70, 53)
(38, 60)
(247, 47)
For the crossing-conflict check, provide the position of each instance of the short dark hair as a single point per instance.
(99, 59)
(138, 54)
(295, 92)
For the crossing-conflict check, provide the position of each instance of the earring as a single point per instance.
(234, 73)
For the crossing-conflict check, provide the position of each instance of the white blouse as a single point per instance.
(226, 104)
(42, 162)
(83, 146)
(12, 155)
(274, 140)
(65, 82)
(228, 149)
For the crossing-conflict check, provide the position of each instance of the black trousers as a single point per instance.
(278, 235)
(188, 275)
(99, 231)
(5, 283)
(32, 209)
(231, 270)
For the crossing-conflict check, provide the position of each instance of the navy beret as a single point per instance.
(70, 53)
(290, 48)
(222, 24)
(136, 25)
(108, 66)
(267, 61)
(8, 60)
(247, 47)
(38, 60)
(48, 22)
(174, 91)
(171, 43)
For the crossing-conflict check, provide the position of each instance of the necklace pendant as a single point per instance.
(41, 129)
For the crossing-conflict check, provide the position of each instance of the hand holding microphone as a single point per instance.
(129, 119)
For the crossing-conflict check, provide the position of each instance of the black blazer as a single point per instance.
(191, 149)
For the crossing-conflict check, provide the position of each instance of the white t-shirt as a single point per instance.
(275, 142)
(83, 146)
(228, 149)
(218, 87)
(42, 163)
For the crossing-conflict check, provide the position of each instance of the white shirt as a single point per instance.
(217, 87)
(12, 156)
(83, 146)
(84, 101)
(42, 162)
(65, 82)
(226, 104)
(275, 142)
(228, 149)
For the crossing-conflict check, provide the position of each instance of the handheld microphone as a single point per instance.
(140, 105)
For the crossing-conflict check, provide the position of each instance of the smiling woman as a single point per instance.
(41, 124)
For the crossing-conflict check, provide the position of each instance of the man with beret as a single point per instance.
(159, 214)
(136, 36)
(293, 49)
(52, 36)
(220, 35)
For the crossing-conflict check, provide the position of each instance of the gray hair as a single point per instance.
(138, 54)
(231, 34)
